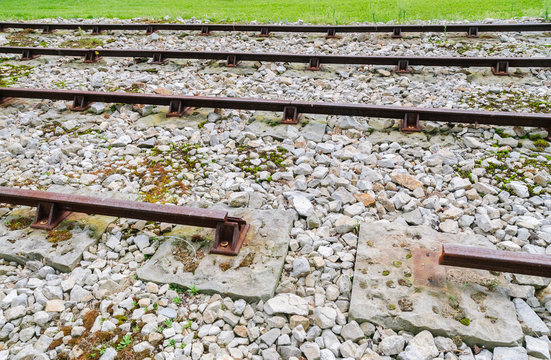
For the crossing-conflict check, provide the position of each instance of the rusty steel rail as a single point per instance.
(495, 260)
(178, 104)
(499, 65)
(471, 30)
(52, 208)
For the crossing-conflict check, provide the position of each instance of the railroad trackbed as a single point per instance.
(264, 191)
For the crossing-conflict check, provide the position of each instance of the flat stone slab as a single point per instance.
(397, 286)
(26, 244)
(252, 275)
(192, 118)
(312, 127)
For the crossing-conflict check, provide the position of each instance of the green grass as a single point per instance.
(315, 11)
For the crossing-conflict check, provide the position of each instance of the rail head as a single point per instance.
(495, 260)
(52, 208)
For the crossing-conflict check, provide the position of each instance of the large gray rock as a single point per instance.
(311, 350)
(388, 290)
(325, 317)
(392, 345)
(253, 274)
(267, 124)
(302, 205)
(537, 347)
(352, 331)
(531, 322)
(286, 304)
(421, 347)
(510, 353)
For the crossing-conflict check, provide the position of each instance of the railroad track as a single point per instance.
(472, 30)
(499, 65)
(291, 110)
(52, 208)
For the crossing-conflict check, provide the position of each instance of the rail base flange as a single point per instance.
(28, 55)
(48, 216)
(205, 31)
(176, 109)
(80, 103)
(314, 64)
(158, 59)
(410, 123)
(402, 67)
(232, 61)
(264, 32)
(396, 33)
(229, 236)
(96, 30)
(501, 68)
(332, 34)
(472, 32)
(290, 115)
(91, 57)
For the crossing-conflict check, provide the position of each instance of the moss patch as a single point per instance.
(270, 161)
(19, 222)
(9, 74)
(510, 100)
(86, 43)
(21, 38)
(55, 236)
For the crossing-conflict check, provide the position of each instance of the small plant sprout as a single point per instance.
(168, 323)
(176, 300)
(125, 342)
(193, 290)
(172, 343)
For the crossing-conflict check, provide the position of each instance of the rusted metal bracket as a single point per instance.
(47, 29)
(232, 60)
(501, 68)
(314, 64)
(27, 54)
(150, 29)
(290, 115)
(331, 33)
(229, 237)
(410, 122)
(159, 59)
(396, 33)
(205, 31)
(264, 32)
(176, 108)
(402, 67)
(80, 103)
(52, 208)
(426, 271)
(48, 216)
(96, 30)
(472, 32)
(91, 56)
(496, 260)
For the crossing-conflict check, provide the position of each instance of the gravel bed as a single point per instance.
(476, 180)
